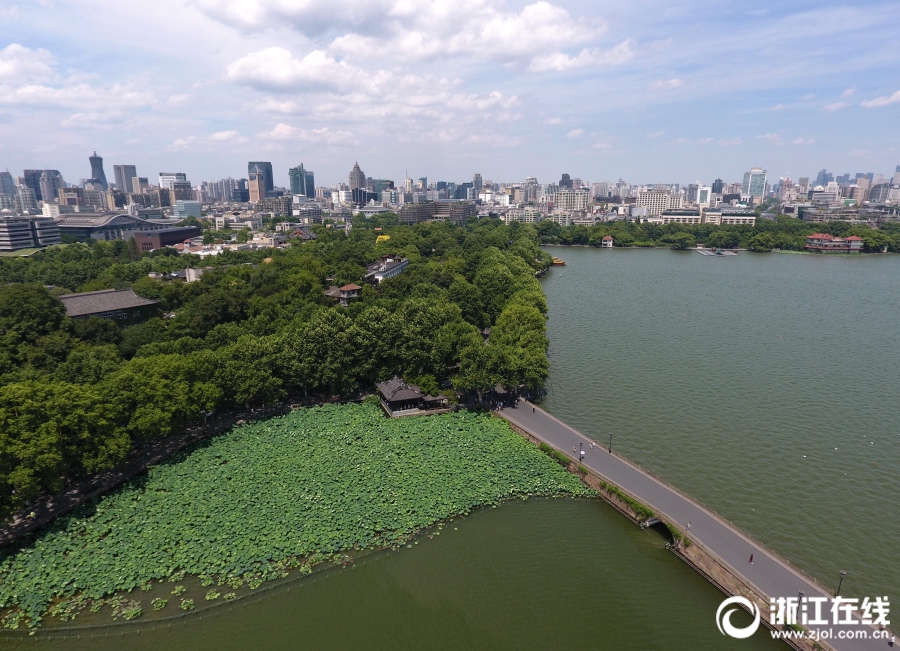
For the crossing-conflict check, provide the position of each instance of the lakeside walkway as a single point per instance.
(769, 574)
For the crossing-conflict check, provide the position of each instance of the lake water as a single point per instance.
(765, 385)
(541, 574)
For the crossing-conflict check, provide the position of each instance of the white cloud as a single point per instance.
(276, 69)
(575, 133)
(848, 92)
(667, 83)
(655, 134)
(19, 64)
(79, 96)
(560, 61)
(209, 142)
(882, 101)
(803, 141)
(176, 100)
(836, 106)
(285, 133)
(553, 121)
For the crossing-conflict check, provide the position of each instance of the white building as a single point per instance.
(527, 215)
(239, 221)
(570, 200)
(655, 201)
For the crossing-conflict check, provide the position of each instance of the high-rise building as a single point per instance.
(803, 184)
(704, 196)
(182, 190)
(565, 183)
(51, 182)
(7, 186)
(97, 170)
(477, 183)
(717, 186)
(26, 203)
(32, 179)
(655, 201)
(754, 182)
(303, 182)
(167, 179)
(257, 182)
(140, 185)
(824, 177)
(265, 169)
(357, 178)
(124, 174)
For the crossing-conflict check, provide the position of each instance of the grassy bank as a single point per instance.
(268, 498)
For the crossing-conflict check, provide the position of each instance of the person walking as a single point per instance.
(751, 559)
(532, 410)
(689, 526)
(582, 455)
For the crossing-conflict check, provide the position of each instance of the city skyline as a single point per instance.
(671, 94)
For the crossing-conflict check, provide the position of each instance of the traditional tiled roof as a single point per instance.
(397, 389)
(104, 300)
(350, 287)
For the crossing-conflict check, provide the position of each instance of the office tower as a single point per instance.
(717, 186)
(268, 179)
(257, 182)
(25, 200)
(51, 183)
(124, 174)
(477, 183)
(32, 179)
(182, 190)
(407, 184)
(565, 183)
(357, 178)
(140, 185)
(804, 185)
(167, 179)
(97, 170)
(7, 186)
(302, 182)
(422, 183)
(754, 182)
(824, 178)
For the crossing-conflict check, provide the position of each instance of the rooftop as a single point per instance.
(397, 389)
(103, 300)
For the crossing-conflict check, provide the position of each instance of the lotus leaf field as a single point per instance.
(270, 496)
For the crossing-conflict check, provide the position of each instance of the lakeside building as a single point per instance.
(401, 399)
(112, 304)
(344, 295)
(681, 217)
(607, 242)
(388, 267)
(26, 232)
(527, 215)
(729, 217)
(824, 243)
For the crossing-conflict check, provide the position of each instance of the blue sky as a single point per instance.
(649, 92)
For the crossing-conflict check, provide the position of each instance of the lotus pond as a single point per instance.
(267, 499)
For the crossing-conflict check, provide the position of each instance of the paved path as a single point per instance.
(769, 574)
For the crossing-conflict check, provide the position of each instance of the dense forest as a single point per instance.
(77, 395)
(782, 232)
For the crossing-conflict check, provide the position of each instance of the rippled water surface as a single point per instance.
(765, 385)
(541, 574)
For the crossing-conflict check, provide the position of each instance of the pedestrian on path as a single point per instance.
(689, 526)
(751, 559)
(574, 449)
(582, 455)
(532, 410)
(893, 637)
(592, 445)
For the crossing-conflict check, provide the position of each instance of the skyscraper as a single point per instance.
(565, 183)
(51, 183)
(717, 186)
(268, 179)
(33, 181)
(97, 170)
(754, 182)
(7, 186)
(302, 182)
(477, 183)
(257, 182)
(824, 177)
(124, 175)
(357, 178)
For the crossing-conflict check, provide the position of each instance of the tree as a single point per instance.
(50, 431)
(28, 312)
(761, 242)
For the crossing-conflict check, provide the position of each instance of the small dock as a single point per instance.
(715, 252)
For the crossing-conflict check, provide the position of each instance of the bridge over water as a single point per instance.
(769, 575)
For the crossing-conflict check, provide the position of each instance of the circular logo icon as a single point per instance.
(723, 621)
